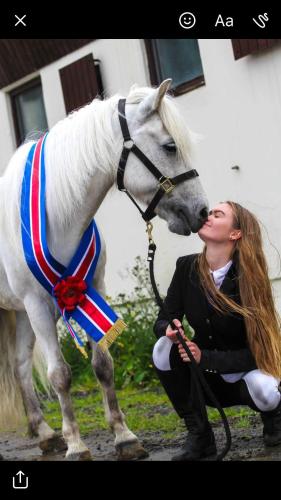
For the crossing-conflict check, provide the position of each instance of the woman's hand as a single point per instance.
(171, 334)
(194, 349)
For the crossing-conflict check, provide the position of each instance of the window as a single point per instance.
(28, 110)
(178, 59)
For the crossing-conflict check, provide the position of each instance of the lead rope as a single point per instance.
(196, 372)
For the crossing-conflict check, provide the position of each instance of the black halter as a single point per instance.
(166, 183)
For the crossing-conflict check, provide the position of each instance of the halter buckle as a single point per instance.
(128, 144)
(166, 184)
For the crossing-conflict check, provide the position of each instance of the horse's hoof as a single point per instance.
(130, 450)
(54, 443)
(79, 456)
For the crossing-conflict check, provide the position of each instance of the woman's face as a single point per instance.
(219, 226)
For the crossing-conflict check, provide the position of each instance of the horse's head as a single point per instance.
(160, 133)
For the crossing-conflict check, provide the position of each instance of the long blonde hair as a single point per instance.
(257, 307)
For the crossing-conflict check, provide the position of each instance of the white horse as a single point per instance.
(81, 158)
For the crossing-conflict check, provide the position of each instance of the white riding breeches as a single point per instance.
(263, 388)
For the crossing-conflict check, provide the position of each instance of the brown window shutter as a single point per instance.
(81, 82)
(245, 46)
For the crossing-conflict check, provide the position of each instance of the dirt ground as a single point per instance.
(247, 445)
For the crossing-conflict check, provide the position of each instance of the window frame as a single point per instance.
(13, 94)
(152, 66)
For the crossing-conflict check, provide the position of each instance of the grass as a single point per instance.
(145, 410)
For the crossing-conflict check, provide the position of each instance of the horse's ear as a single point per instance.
(152, 102)
(160, 92)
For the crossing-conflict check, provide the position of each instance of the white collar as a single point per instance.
(219, 274)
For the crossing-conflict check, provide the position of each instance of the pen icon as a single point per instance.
(262, 19)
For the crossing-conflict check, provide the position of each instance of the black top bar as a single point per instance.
(94, 20)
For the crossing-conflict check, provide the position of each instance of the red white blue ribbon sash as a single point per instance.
(71, 286)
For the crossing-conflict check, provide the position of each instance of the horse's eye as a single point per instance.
(170, 146)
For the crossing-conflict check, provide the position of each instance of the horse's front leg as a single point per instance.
(127, 444)
(43, 323)
(25, 340)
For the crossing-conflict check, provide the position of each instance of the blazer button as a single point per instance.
(210, 337)
(207, 321)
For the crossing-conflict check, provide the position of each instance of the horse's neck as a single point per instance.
(64, 231)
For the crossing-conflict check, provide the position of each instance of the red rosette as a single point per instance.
(70, 293)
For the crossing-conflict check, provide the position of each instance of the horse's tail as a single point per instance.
(12, 413)
(11, 404)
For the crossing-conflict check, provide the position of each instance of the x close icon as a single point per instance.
(20, 20)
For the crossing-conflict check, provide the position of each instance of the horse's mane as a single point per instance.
(91, 128)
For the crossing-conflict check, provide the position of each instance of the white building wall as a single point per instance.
(238, 112)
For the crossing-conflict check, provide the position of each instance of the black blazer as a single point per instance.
(221, 337)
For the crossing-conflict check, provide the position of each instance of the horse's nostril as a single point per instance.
(204, 213)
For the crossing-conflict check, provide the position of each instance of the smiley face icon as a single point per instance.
(187, 20)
